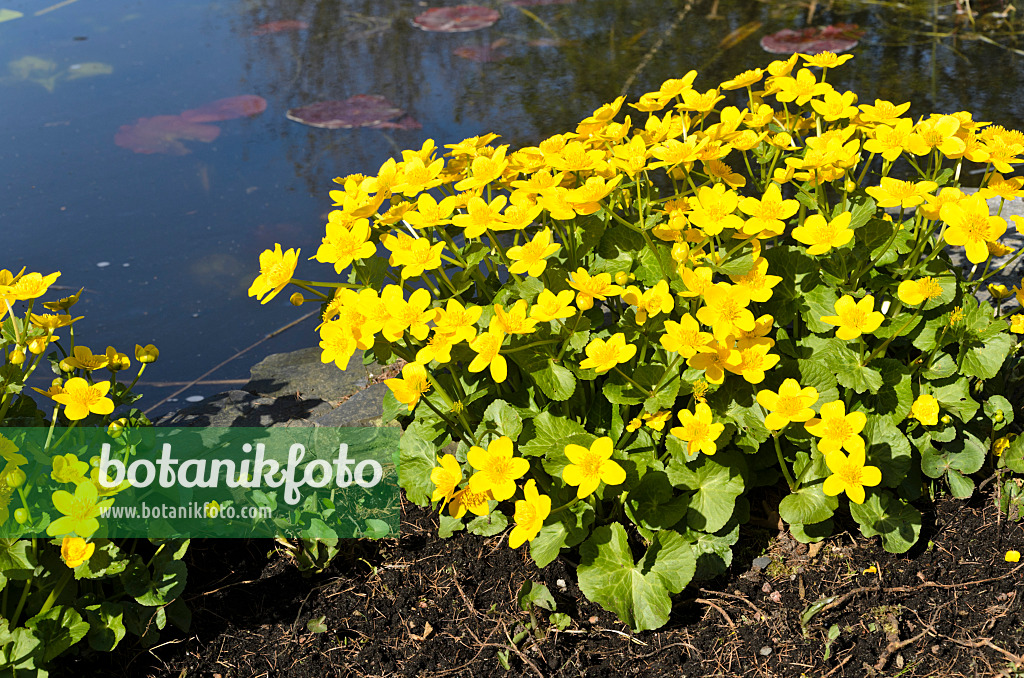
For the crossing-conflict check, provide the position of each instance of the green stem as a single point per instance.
(630, 380)
(793, 484)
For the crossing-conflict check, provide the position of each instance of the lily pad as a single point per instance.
(837, 38)
(34, 69)
(280, 27)
(163, 134)
(227, 109)
(456, 19)
(88, 69)
(483, 54)
(361, 110)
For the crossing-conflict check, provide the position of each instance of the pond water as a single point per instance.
(167, 243)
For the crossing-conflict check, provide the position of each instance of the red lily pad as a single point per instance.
(484, 53)
(361, 110)
(456, 19)
(838, 38)
(279, 27)
(163, 134)
(227, 109)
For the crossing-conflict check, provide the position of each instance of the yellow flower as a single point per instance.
(412, 315)
(117, 361)
(276, 270)
(429, 212)
(800, 89)
(1000, 445)
(345, 242)
(497, 470)
(823, 235)
(714, 208)
(698, 430)
(484, 170)
(30, 286)
(914, 292)
(481, 216)
(513, 321)
(456, 319)
(1012, 556)
(530, 515)
(725, 310)
(890, 142)
(826, 59)
(551, 307)
(757, 281)
(835, 106)
(744, 79)
(473, 501)
(657, 420)
(714, 361)
(604, 355)
(411, 386)
(970, 225)
(146, 354)
(590, 287)
(896, 193)
(80, 398)
(531, 258)
(837, 429)
(849, 475)
(1017, 323)
(75, 551)
(925, 409)
(68, 469)
(999, 292)
(684, 337)
(80, 510)
(339, 343)
(854, 317)
(488, 346)
(439, 348)
(767, 215)
(651, 302)
(446, 478)
(754, 361)
(589, 468)
(791, 403)
(84, 359)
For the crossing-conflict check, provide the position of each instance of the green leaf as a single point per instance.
(716, 482)
(500, 419)
(653, 504)
(1013, 457)
(714, 551)
(417, 457)
(493, 523)
(961, 456)
(449, 526)
(888, 449)
(392, 408)
(895, 521)
(941, 367)
(813, 533)
(955, 397)
(166, 583)
(15, 559)
(816, 302)
(532, 594)
(999, 411)
(896, 396)
(808, 505)
(106, 626)
(317, 625)
(547, 434)
(555, 381)
(639, 593)
(983, 359)
(560, 621)
(57, 630)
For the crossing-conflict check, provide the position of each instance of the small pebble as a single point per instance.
(766, 587)
(765, 651)
(761, 562)
(775, 597)
(560, 583)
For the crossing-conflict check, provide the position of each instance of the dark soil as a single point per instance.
(425, 606)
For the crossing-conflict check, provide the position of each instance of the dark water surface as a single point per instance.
(166, 245)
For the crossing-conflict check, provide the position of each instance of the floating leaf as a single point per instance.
(837, 38)
(484, 53)
(456, 19)
(361, 110)
(279, 27)
(227, 109)
(163, 134)
(88, 69)
(9, 14)
(34, 69)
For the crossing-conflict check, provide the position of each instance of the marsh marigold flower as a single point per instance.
(854, 317)
(684, 337)
(698, 430)
(276, 270)
(914, 292)
(344, 243)
(80, 398)
(589, 468)
(75, 551)
(821, 235)
(550, 306)
(969, 224)
(80, 510)
(531, 258)
(791, 403)
(488, 346)
(411, 386)
(590, 287)
(849, 475)
(496, 469)
(604, 355)
(446, 477)
(530, 515)
(725, 310)
(466, 499)
(1012, 556)
(925, 409)
(838, 430)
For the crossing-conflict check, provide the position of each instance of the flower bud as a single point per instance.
(296, 299)
(146, 354)
(17, 356)
(621, 278)
(15, 477)
(998, 416)
(65, 366)
(115, 427)
(21, 516)
(37, 345)
(946, 419)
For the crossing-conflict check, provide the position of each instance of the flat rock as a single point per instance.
(363, 409)
(301, 372)
(242, 408)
